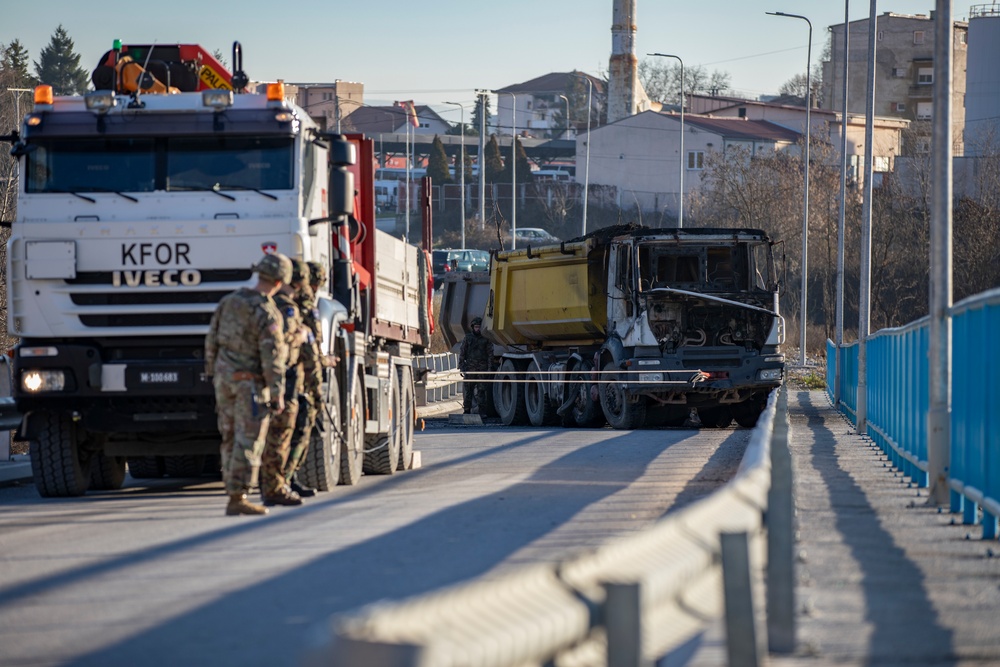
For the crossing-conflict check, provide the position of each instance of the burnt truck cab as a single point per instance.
(693, 322)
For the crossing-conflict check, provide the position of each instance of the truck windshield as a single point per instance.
(708, 268)
(134, 165)
(91, 165)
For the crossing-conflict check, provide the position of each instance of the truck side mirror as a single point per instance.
(340, 200)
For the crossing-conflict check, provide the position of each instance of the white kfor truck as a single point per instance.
(136, 213)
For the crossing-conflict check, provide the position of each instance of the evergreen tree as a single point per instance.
(523, 165)
(482, 104)
(14, 66)
(437, 163)
(494, 162)
(59, 66)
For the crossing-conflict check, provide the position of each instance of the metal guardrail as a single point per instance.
(442, 382)
(628, 602)
(898, 402)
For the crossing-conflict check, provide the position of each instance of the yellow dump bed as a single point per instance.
(554, 295)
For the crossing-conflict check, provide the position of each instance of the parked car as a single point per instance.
(534, 236)
(447, 260)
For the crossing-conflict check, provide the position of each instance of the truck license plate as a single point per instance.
(159, 377)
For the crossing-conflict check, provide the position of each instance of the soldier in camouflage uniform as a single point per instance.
(274, 485)
(244, 355)
(311, 395)
(473, 358)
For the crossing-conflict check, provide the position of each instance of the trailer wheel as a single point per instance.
(622, 413)
(715, 417)
(107, 473)
(508, 395)
(185, 465)
(321, 468)
(540, 410)
(59, 464)
(407, 415)
(585, 413)
(384, 457)
(145, 467)
(353, 443)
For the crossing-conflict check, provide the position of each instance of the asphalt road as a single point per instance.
(155, 574)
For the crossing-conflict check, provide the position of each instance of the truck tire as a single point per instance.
(382, 452)
(107, 473)
(184, 466)
(508, 395)
(352, 446)
(59, 464)
(621, 413)
(145, 467)
(407, 415)
(747, 412)
(715, 417)
(586, 412)
(321, 468)
(541, 411)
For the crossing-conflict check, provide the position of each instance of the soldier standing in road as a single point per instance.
(474, 358)
(310, 391)
(274, 485)
(244, 356)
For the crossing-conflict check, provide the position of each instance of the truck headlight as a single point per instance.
(650, 377)
(769, 374)
(36, 381)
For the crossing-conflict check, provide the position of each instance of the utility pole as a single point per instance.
(481, 101)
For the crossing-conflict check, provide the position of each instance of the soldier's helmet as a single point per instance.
(476, 322)
(275, 266)
(316, 273)
(300, 271)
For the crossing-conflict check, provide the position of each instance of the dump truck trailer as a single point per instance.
(635, 326)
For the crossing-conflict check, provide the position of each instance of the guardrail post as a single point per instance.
(780, 538)
(742, 648)
(623, 623)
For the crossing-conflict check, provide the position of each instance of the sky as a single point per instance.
(442, 50)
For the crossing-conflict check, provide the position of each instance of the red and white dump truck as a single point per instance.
(137, 211)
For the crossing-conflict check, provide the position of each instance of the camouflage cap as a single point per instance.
(317, 273)
(275, 266)
(300, 271)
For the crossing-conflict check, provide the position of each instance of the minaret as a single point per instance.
(623, 72)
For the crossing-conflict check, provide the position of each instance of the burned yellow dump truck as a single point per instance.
(636, 326)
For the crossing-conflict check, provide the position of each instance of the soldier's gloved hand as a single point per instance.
(277, 405)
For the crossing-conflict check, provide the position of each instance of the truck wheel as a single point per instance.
(61, 468)
(107, 473)
(747, 412)
(540, 410)
(407, 414)
(321, 468)
(508, 395)
(183, 466)
(384, 455)
(621, 413)
(353, 443)
(715, 417)
(145, 467)
(585, 413)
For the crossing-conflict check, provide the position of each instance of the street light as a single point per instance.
(481, 101)
(566, 119)
(805, 204)
(680, 195)
(841, 218)
(513, 163)
(586, 173)
(462, 167)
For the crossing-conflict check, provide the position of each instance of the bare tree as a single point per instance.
(662, 80)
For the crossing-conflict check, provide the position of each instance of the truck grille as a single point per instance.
(147, 320)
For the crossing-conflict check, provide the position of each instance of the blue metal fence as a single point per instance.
(898, 402)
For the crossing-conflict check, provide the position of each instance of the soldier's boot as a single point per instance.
(238, 505)
(283, 496)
